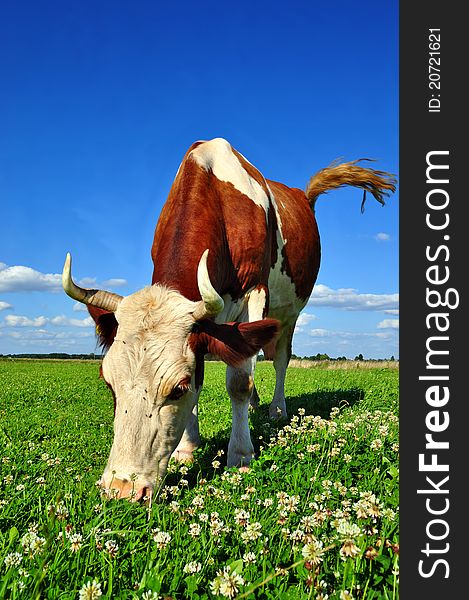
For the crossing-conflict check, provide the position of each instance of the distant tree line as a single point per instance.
(320, 356)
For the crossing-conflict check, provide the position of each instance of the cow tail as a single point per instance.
(336, 175)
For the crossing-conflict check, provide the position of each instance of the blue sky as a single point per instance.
(99, 102)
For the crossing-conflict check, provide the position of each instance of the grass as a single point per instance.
(315, 517)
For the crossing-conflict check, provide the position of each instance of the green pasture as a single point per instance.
(316, 516)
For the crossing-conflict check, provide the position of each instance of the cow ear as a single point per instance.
(233, 342)
(106, 325)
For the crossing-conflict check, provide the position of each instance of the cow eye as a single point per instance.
(177, 392)
(181, 388)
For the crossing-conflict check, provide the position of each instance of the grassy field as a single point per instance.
(315, 517)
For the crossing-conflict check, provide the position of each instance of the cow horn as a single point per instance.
(99, 298)
(211, 303)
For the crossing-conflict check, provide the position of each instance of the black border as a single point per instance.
(420, 132)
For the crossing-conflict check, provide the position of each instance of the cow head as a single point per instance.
(154, 366)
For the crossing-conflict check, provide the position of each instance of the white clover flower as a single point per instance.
(252, 532)
(32, 543)
(226, 583)
(192, 567)
(76, 541)
(111, 548)
(241, 516)
(308, 523)
(13, 559)
(161, 538)
(194, 530)
(217, 527)
(249, 558)
(297, 535)
(312, 551)
(348, 530)
(90, 591)
(388, 513)
(198, 502)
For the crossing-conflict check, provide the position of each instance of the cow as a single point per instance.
(235, 257)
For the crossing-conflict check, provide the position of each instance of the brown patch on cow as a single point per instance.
(269, 350)
(203, 212)
(302, 251)
(232, 342)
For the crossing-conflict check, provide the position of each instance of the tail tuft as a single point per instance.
(378, 183)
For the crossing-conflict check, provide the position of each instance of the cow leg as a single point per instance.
(191, 437)
(242, 392)
(239, 383)
(282, 357)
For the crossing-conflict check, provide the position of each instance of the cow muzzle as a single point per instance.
(117, 488)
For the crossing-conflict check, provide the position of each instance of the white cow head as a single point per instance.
(154, 366)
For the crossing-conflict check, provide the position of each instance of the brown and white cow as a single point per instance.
(235, 259)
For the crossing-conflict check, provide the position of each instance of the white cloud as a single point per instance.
(382, 237)
(392, 311)
(388, 324)
(303, 320)
(20, 321)
(112, 283)
(319, 333)
(5, 305)
(350, 299)
(91, 282)
(87, 282)
(49, 339)
(61, 321)
(25, 279)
